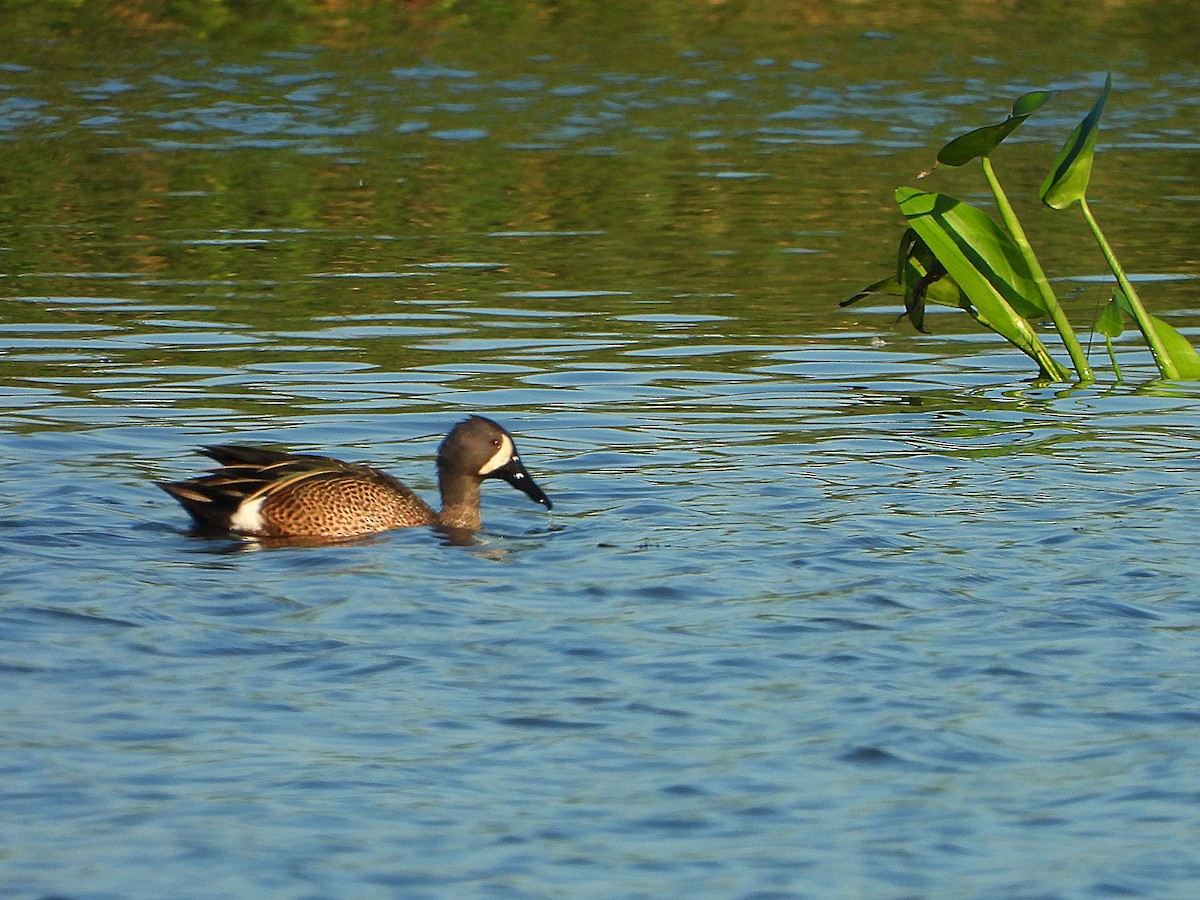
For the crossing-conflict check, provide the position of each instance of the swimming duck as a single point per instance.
(270, 493)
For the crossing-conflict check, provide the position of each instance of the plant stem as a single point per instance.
(1061, 322)
(1166, 365)
(1112, 355)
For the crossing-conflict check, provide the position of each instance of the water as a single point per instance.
(825, 608)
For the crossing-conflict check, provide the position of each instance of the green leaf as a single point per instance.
(1122, 301)
(889, 285)
(982, 141)
(1179, 349)
(1110, 323)
(941, 290)
(986, 266)
(976, 251)
(1028, 104)
(918, 270)
(1068, 179)
(946, 292)
(908, 246)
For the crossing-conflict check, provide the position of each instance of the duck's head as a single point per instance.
(481, 448)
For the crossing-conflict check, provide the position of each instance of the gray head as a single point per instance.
(480, 448)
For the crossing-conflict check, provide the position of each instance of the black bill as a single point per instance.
(514, 473)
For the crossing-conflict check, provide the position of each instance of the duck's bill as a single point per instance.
(514, 473)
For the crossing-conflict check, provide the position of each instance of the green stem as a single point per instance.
(1061, 322)
(1032, 347)
(1166, 365)
(1112, 355)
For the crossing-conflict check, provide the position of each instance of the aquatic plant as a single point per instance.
(1067, 184)
(954, 254)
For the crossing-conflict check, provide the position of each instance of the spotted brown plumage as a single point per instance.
(271, 493)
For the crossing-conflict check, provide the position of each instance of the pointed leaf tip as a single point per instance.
(1109, 322)
(982, 141)
(1028, 104)
(1072, 169)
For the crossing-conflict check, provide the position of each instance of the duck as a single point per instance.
(262, 493)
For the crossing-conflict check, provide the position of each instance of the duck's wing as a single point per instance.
(271, 492)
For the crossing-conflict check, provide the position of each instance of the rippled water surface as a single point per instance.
(825, 607)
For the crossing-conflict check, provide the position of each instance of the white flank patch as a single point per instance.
(501, 457)
(248, 517)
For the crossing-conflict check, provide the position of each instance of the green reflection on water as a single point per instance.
(606, 167)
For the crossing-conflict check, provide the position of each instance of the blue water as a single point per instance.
(778, 636)
(825, 608)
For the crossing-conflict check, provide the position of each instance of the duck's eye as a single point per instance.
(495, 442)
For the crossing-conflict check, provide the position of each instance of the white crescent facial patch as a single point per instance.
(502, 456)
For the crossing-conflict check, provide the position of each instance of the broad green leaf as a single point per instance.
(976, 252)
(982, 141)
(1176, 346)
(1179, 349)
(1110, 323)
(1068, 179)
(986, 266)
